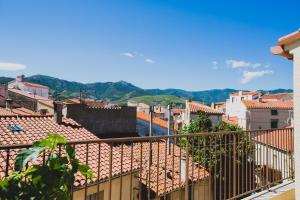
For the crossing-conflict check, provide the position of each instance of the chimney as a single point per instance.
(20, 78)
(240, 93)
(58, 115)
(8, 103)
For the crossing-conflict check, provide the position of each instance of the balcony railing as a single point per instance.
(226, 165)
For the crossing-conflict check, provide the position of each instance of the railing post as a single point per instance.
(234, 165)
(186, 193)
(267, 159)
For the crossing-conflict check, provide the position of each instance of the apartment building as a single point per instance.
(31, 88)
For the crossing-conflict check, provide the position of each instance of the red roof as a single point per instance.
(278, 96)
(36, 128)
(230, 120)
(269, 104)
(194, 107)
(288, 39)
(4, 112)
(157, 121)
(281, 139)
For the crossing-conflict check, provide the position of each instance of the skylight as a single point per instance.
(15, 128)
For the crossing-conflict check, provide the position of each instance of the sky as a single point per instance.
(191, 45)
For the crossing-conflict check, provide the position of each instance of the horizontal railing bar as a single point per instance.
(146, 138)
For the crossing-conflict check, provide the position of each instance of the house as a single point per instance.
(274, 150)
(104, 120)
(140, 107)
(193, 107)
(235, 100)
(3, 91)
(30, 101)
(253, 114)
(31, 88)
(219, 106)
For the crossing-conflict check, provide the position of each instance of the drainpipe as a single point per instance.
(169, 131)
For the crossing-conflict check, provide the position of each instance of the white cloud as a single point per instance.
(11, 66)
(242, 64)
(148, 60)
(249, 76)
(128, 54)
(238, 63)
(256, 65)
(215, 64)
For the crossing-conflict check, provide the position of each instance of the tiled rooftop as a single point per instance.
(195, 106)
(269, 104)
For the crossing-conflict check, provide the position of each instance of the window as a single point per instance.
(243, 98)
(274, 112)
(274, 123)
(94, 196)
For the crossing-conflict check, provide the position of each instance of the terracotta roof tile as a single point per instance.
(280, 139)
(278, 96)
(163, 161)
(194, 107)
(4, 112)
(233, 120)
(157, 121)
(36, 128)
(269, 104)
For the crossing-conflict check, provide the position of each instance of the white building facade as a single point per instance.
(31, 88)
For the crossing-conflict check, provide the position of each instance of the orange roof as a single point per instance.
(281, 139)
(36, 128)
(17, 112)
(269, 104)
(278, 96)
(245, 93)
(160, 160)
(288, 39)
(230, 120)
(157, 121)
(34, 85)
(194, 107)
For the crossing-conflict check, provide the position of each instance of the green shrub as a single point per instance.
(51, 179)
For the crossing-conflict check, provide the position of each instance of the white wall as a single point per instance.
(296, 53)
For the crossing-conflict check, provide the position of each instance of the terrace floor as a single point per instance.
(283, 191)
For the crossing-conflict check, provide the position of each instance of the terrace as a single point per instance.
(223, 165)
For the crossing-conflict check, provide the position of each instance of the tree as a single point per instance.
(50, 180)
(218, 153)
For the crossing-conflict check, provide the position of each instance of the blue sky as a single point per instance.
(193, 45)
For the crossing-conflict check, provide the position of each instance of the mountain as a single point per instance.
(122, 91)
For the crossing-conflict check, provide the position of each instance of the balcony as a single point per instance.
(227, 165)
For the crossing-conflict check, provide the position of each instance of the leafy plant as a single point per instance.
(51, 179)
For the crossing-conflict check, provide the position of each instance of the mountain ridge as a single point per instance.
(122, 91)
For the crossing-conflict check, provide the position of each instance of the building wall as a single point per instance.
(44, 92)
(115, 189)
(200, 192)
(105, 122)
(296, 52)
(23, 101)
(3, 90)
(261, 118)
